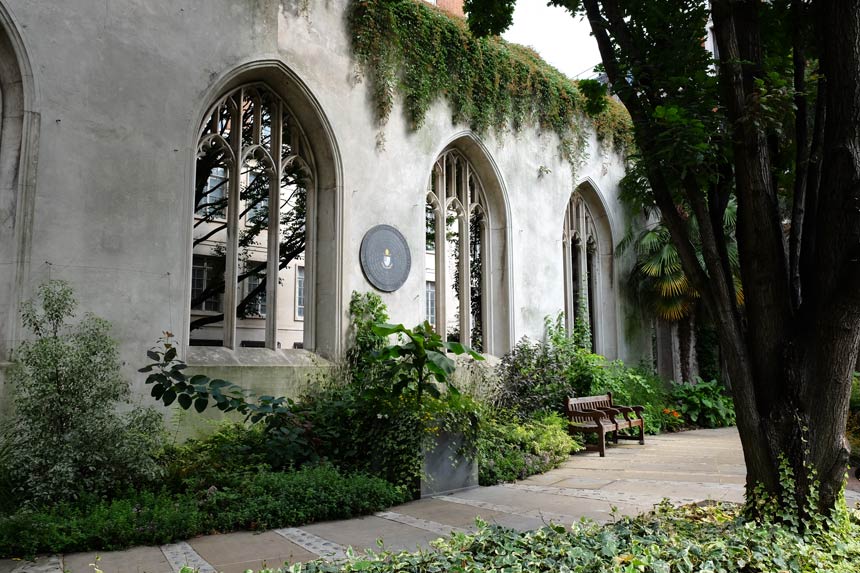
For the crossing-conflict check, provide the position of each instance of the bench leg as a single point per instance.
(601, 442)
(642, 434)
(615, 436)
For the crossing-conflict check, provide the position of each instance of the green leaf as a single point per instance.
(184, 401)
(170, 354)
(200, 404)
(440, 361)
(387, 329)
(153, 355)
(168, 397)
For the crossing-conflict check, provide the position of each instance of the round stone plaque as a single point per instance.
(385, 258)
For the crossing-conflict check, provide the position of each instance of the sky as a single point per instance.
(561, 39)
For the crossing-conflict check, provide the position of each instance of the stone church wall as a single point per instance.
(119, 91)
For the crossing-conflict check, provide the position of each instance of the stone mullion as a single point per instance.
(441, 290)
(486, 318)
(567, 248)
(231, 271)
(465, 255)
(273, 232)
(582, 256)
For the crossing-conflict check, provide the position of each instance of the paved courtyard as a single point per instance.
(685, 468)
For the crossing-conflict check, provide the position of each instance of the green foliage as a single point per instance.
(365, 310)
(67, 437)
(267, 500)
(709, 539)
(510, 449)
(287, 435)
(226, 501)
(407, 47)
(704, 404)
(410, 365)
(233, 447)
(144, 518)
(635, 386)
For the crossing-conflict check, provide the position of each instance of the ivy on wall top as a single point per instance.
(421, 53)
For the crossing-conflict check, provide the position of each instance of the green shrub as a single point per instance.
(256, 499)
(67, 437)
(704, 404)
(266, 500)
(137, 519)
(232, 447)
(510, 449)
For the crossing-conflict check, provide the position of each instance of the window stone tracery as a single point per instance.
(456, 210)
(253, 175)
(580, 246)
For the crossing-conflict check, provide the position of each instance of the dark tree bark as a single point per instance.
(790, 350)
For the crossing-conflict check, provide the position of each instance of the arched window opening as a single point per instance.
(580, 243)
(456, 260)
(253, 175)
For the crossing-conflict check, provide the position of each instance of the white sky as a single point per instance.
(561, 39)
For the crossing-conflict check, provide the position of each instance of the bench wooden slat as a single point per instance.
(598, 415)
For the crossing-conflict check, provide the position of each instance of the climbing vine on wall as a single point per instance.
(409, 48)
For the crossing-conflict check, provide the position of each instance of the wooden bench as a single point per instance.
(598, 415)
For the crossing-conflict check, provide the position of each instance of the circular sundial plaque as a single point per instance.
(385, 258)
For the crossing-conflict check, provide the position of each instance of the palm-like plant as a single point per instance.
(659, 282)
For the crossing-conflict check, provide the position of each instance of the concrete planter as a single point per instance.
(446, 469)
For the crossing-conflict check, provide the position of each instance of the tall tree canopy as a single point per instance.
(774, 121)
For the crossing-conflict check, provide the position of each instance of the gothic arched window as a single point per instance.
(456, 216)
(254, 171)
(581, 267)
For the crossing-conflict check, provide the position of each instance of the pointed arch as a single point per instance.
(18, 133)
(473, 194)
(589, 273)
(319, 278)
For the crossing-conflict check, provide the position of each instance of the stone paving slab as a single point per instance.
(236, 552)
(44, 564)
(135, 560)
(454, 514)
(361, 533)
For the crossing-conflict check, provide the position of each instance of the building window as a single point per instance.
(430, 307)
(580, 252)
(300, 293)
(204, 275)
(256, 293)
(253, 174)
(456, 228)
(214, 198)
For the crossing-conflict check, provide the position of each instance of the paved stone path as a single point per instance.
(684, 467)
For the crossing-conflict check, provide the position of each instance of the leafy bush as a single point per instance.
(708, 539)
(704, 404)
(230, 500)
(538, 376)
(136, 519)
(233, 447)
(67, 436)
(266, 500)
(510, 449)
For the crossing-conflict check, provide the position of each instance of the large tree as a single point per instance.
(772, 121)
